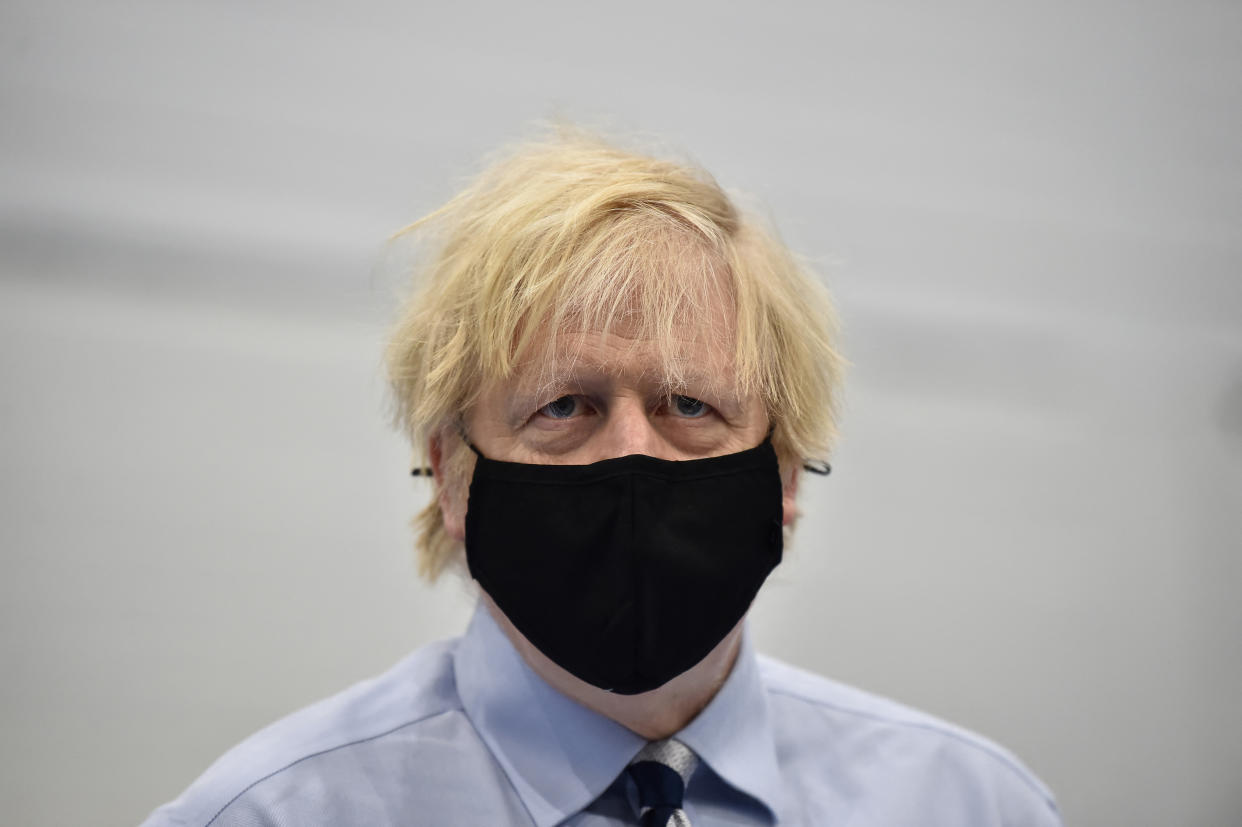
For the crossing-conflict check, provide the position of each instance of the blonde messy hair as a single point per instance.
(571, 234)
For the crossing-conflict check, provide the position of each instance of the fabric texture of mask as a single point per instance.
(628, 571)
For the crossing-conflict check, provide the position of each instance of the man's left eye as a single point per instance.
(689, 407)
(561, 408)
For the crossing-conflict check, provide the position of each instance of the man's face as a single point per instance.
(604, 395)
(598, 396)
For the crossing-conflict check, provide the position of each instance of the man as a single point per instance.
(617, 379)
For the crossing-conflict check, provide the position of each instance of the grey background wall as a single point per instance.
(1029, 214)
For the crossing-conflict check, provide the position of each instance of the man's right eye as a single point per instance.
(561, 408)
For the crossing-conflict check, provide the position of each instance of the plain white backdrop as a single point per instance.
(1029, 214)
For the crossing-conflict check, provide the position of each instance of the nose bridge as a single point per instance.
(631, 430)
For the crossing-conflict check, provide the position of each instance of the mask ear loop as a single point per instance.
(814, 466)
(424, 471)
(461, 432)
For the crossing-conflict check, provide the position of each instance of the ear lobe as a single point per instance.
(789, 496)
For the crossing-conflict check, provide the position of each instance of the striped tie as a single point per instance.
(661, 772)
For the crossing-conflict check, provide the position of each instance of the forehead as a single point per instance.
(659, 304)
(691, 347)
(674, 362)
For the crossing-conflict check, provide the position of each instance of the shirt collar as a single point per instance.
(733, 734)
(561, 756)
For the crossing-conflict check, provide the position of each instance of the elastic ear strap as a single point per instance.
(461, 432)
(814, 466)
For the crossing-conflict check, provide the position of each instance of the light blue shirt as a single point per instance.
(465, 733)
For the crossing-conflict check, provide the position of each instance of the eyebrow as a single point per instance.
(577, 377)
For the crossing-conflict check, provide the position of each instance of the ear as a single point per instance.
(789, 495)
(452, 506)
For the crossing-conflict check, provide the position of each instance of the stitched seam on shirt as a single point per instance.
(941, 730)
(258, 781)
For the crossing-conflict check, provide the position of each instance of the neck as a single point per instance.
(654, 715)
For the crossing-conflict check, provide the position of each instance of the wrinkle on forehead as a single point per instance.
(697, 352)
(657, 302)
(644, 273)
(676, 315)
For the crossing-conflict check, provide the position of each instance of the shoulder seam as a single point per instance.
(355, 742)
(941, 729)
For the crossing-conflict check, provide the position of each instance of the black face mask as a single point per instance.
(628, 571)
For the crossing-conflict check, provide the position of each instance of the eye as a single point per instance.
(561, 408)
(689, 407)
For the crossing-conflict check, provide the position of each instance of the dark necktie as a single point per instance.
(661, 772)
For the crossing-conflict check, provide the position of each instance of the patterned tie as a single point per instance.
(661, 772)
